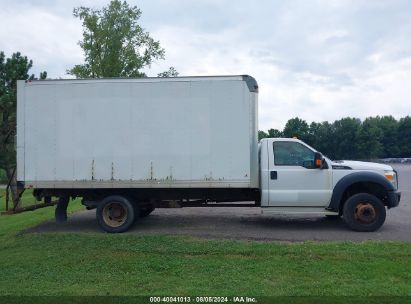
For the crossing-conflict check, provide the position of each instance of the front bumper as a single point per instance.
(394, 198)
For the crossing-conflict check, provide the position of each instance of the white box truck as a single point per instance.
(128, 146)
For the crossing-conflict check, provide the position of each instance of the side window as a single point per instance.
(288, 153)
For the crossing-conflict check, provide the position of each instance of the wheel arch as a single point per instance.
(357, 182)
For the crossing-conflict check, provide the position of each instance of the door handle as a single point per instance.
(273, 174)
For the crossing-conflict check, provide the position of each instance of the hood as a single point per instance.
(359, 165)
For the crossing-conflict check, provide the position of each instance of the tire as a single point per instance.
(146, 211)
(115, 214)
(364, 212)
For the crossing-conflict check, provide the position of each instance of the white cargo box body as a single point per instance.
(185, 132)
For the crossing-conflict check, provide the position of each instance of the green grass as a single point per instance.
(127, 264)
(26, 199)
(90, 264)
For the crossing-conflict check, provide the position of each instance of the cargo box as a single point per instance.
(184, 132)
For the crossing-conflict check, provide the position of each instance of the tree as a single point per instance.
(11, 69)
(114, 44)
(389, 127)
(274, 133)
(369, 139)
(296, 127)
(321, 138)
(172, 72)
(404, 136)
(261, 135)
(345, 132)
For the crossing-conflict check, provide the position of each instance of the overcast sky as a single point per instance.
(318, 60)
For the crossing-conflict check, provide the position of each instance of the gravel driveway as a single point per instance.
(250, 224)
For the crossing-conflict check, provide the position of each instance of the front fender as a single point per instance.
(353, 178)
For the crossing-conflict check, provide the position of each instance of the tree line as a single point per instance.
(351, 138)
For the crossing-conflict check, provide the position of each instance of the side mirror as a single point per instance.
(318, 160)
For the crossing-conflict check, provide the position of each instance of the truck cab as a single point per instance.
(295, 178)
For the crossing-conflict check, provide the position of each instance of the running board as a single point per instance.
(297, 210)
(195, 204)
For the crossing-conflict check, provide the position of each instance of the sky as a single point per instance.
(319, 60)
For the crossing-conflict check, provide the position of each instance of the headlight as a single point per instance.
(392, 177)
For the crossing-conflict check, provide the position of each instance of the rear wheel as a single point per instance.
(364, 212)
(115, 214)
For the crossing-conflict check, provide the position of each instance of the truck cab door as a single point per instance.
(293, 179)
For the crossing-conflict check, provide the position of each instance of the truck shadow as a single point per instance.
(203, 223)
(296, 223)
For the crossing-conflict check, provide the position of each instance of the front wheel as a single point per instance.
(364, 212)
(115, 214)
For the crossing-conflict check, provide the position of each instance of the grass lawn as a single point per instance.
(103, 264)
(26, 199)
